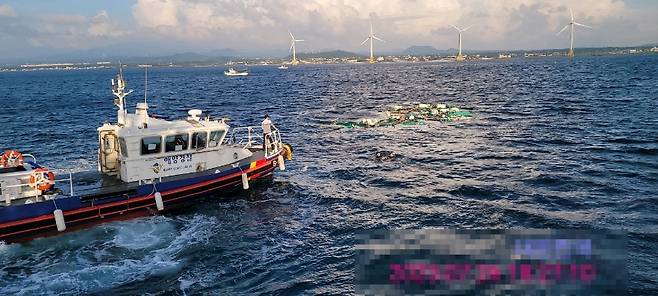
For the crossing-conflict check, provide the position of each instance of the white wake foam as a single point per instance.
(135, 251)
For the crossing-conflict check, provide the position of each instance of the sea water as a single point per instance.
(554, 143)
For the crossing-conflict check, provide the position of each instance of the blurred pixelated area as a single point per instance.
(491, 262)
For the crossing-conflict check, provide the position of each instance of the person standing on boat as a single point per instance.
(267, 126)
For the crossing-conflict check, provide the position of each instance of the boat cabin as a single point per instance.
(145, 149)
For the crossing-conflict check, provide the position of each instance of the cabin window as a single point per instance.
(199, 140)
(122, 147)
(215, 138)
(151, 145)
(176, 143)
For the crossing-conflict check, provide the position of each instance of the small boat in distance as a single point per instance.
(232, 72)
(146, 166)
(283, 67)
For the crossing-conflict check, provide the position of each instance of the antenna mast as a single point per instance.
(118, 87)
(146, 81)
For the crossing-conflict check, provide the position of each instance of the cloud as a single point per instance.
(101, 26)
(343, 23)
(157, 13)
(6, 10)
(61, 31)
(75, 31)
(260, 26)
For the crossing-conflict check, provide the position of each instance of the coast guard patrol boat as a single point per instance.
(145, 166)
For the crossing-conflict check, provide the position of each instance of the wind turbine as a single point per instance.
(293, 41)
(371, 36)
(460, 57)
(571, 24)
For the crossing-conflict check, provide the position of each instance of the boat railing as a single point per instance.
(54, 182)
(70, 180)
(253, 136)
(34, 159)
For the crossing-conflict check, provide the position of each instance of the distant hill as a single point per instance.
(224, 52)
(181, 57)
(118, 53)
(220, 56)
(191, 57)
(425, 50)
(418, 50)
(328, 54)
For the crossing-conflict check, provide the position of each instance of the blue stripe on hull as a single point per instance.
(20, 212)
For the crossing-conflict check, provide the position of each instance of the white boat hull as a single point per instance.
(236, 74)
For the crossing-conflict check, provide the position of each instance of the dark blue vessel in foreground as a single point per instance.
(147, 165)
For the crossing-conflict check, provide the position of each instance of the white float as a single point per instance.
(159, 204)
(59, 220)
(245, 181)
(282, 165)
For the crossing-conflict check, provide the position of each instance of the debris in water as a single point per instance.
(411, 115)
(385, 156)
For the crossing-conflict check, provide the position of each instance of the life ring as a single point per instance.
(11, 158)
(286, 151)
(42, 179)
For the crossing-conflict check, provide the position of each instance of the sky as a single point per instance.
(39, 28)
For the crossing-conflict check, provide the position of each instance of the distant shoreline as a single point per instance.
(330, 60)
